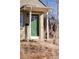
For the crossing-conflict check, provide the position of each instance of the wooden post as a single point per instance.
(30, 16)
(47, 27)
(41, 27)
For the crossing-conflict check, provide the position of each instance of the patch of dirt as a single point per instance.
(39, 50)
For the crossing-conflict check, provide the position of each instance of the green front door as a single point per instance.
(35, 25)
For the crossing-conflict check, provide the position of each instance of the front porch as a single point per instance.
(33, 23)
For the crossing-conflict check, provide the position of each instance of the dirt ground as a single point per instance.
(39, 50)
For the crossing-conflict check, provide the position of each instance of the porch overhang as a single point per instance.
(35, 9)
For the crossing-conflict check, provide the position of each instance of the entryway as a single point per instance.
(35, 26)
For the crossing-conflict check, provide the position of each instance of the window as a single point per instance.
(21, 19)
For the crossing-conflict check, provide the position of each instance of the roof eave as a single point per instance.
(43, 3)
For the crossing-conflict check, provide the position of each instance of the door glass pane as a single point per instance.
(35, 25)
